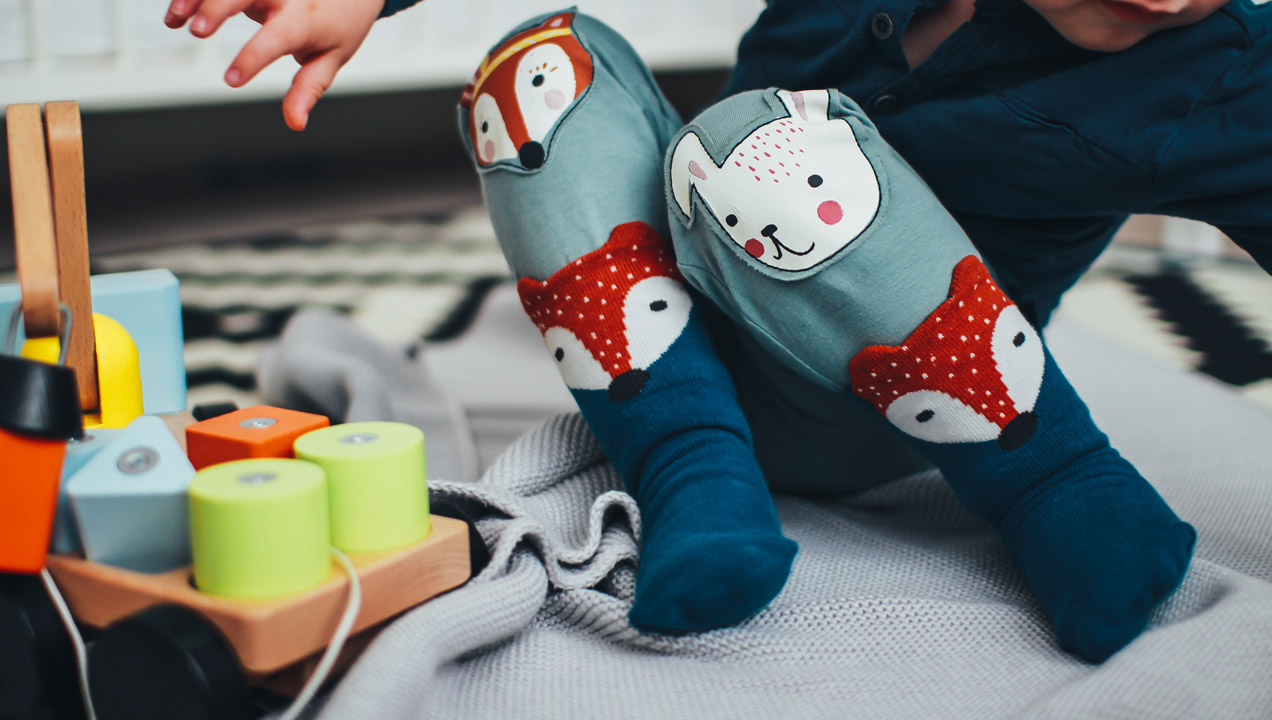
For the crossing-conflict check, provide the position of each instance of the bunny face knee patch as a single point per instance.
(791, 193)
(522, 90)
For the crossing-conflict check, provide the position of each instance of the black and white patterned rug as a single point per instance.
(415, 280)
(404, 281)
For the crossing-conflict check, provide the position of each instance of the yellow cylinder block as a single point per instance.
(118, 372)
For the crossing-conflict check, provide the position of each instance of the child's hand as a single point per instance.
(321, 35)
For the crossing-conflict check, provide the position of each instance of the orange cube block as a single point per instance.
(253, 432)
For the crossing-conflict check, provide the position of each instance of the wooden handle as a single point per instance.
(70, 223)
(36, 251)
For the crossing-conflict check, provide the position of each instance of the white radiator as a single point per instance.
(115, 54)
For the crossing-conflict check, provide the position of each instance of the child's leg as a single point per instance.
(814, 236)
(568, 132)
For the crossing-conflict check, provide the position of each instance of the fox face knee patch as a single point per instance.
(791, 194)
(522, 90)
(609, 315)
(971, 372)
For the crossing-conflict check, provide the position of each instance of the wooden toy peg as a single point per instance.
(50, 231)
(36, 245)
(70, 225)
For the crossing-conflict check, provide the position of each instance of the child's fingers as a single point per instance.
(212, 13)
(315, 76)
(271, 42)
(179, 11)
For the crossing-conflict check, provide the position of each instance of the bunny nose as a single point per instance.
(531, 155)
(768, 230)
(628, 385)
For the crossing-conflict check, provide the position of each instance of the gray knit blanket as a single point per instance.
(900, 604)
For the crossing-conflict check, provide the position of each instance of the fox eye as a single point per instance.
(731, 220)
(655, 312)
(537, 80)
(936, 417)
(1019, 357)
(814, 180)
(485, 125)
(574, 361)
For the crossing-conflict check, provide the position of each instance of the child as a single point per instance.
(810, 305)
(1041, 124)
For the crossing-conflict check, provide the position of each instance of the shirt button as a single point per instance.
(886, 102)
(881, 26)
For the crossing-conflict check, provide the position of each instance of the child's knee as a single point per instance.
(794, 216)
(567, 130)
(544, 71)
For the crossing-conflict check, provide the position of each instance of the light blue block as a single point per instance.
(129, 500)
(148, 304)
(78, 453)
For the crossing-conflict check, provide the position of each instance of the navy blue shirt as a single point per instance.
(1040, 149)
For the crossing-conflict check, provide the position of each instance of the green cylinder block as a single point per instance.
(376, 482)
(259, 528)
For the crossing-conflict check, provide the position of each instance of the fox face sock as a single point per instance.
(795, 217)
(976, 387)
(635, 353)
(567, 130)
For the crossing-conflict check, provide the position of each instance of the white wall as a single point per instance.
(113, 54)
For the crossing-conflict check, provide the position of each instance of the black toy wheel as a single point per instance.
(163, 663)
(478, 553)
(37, 661)
(207, 411)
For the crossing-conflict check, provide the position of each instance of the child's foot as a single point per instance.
(689, 583)
(976, 386)
(1100, 550)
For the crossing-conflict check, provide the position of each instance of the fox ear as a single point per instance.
(690, 164)
(806, 105)
(561, 20)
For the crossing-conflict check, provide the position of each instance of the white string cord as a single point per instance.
(77, 640)
(352, 608)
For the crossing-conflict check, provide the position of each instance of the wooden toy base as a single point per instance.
(272, 634)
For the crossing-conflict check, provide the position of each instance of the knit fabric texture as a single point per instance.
(900, 603)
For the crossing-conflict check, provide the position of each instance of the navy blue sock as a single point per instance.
(976, 386)
(638, 360)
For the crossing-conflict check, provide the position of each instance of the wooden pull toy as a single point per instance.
(200, 582)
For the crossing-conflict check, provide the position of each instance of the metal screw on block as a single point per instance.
(360, 438)
(258, 422)
(257, 478)
(138, 460)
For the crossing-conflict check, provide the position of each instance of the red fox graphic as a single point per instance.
(971, 372)
(522, 88)
(609, 315)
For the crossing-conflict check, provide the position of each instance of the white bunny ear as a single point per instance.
(807, 105)
(690, 163)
